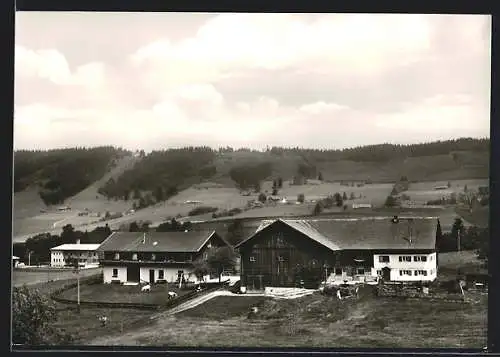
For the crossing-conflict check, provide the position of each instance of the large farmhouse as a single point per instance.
(284, 253)
(155, 257)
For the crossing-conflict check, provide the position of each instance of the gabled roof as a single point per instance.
(84, 247)
(373, 233)
(174, 242)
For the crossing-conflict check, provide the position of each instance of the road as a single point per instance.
(21, 277)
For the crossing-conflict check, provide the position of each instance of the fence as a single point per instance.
(416, 292)
(143, 306)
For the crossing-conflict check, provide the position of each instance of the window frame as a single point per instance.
(113, 275)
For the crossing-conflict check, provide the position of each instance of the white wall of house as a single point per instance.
(57, 259)
(61, 258)
(114, 273)
(169, 274)
(406, 267)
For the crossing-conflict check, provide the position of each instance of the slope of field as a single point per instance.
(95, 202)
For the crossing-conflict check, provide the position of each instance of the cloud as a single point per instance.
(51, 65)
(328, 80)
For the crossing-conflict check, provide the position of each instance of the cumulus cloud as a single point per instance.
(251, 79)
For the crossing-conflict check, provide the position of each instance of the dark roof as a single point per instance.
(191, 241)
(373, 233)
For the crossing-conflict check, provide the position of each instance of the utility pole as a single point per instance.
(77, 271)
(459, 233)
(29, 258)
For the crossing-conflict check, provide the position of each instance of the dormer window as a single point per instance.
(134, 256)
(153, 256)
(252, 259)
(282, 259)
(117, 256)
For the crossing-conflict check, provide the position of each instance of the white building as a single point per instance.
(405, 266)
(155, 257)
(64, 255)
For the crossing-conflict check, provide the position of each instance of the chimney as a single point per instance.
(78, 241)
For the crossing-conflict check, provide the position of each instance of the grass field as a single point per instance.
(317, 321)
(21, 277)
(120, 293)
(421, 192)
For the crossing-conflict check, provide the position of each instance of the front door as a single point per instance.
(151, 276)
(133, 273)
(386, 273)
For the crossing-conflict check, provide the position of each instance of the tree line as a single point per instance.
(62, 173)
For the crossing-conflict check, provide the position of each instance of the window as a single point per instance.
(421, 272)
(153, 257)
(405, 258)
(383, 259)
(134, 256)
(338, 271)
(281, 259)
(405, 272)
(379, 272)
(115, 273)
(361, 271)
(161, 274)
(117, 256)
(418, 258)
(252, 259)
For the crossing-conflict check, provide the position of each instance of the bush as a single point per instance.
(262, 198)
(301, 198)
(32, 320)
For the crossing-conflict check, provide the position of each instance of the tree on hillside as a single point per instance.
(344, 196)
(262, 198)
(257, 187)
(439, 233)
(318, 208)
(220, 259)
(134, 227)
(403, 178)
(465, 188)
(159, 194)
(338, 199)
(137, 194)
(390, 201)
(280, 182)
(351, 196)
(275, 192)
(457, 231)
(275, 184)
(200, 269)
(235, 233)
(449, 184)
(320, 176)
(33, 318)
(301, 198)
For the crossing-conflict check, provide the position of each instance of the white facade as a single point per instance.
(406, 267)
(114, 273)
(65, 254)
(166, 274)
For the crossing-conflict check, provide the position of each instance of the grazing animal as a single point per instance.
(172, 294)
(146, 288)
(103, 320)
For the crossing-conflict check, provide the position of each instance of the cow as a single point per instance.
(172, 294)
(146, 288)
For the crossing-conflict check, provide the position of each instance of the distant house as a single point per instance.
(441, 187)
(155, 257)
(15, 261)
(361, 205)
(285, 253)
(63, 208)
(65, 255)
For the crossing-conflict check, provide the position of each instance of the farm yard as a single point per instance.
(123, 294)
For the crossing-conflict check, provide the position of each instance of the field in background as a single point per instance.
(29, 221)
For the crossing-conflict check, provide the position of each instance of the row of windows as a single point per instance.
(152, 256)
(161, 273)
(404, 258)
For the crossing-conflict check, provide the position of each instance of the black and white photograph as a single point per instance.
(244, 180)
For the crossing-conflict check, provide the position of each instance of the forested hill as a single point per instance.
(161, 174)
(62, 173)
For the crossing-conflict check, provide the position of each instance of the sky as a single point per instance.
(158, 80)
